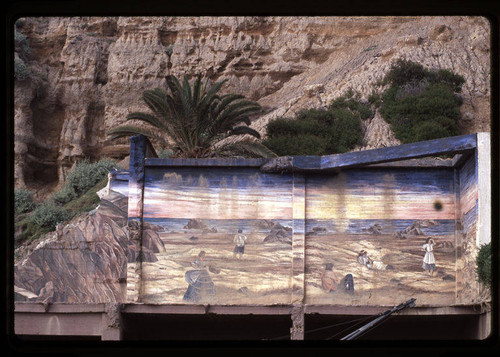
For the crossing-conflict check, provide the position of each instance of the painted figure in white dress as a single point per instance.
(429, 263)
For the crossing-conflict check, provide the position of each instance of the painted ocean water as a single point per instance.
(358, 226)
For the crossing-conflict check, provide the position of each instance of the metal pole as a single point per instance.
(385, 315)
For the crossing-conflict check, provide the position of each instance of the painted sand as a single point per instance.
(261, 276)
(380, 287)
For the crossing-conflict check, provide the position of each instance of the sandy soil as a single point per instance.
(384, 287)
(263, 274)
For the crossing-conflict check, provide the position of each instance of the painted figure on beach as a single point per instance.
(200, 286)
(239, 241)
(429, 263)
(365, 260)
(331, 283)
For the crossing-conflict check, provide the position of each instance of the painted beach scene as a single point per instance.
(368, 232)
(227, 237)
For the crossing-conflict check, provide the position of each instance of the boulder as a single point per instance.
(374, 229)
(195, 224)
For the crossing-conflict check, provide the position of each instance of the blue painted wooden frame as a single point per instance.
(452, 145)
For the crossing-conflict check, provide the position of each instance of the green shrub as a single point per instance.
(64, 195)
(344, 133)
(305, 144)
(86, 174)
(320, 131)
(86, 202)
(403, 71)
(48, 215)
(453, 80)
(305, 123)
(421, 104)
(23, 201)
(483, 264)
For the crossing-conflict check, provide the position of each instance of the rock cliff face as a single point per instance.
(91, 250)
(87, 73)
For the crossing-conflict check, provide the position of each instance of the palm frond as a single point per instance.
(244, 130)
(125, 130)
(147, 118)
(193, 116)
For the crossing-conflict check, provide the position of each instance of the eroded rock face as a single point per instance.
(86, 260)
(89, 72)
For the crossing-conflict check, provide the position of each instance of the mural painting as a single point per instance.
(227, 235)
(376, 236)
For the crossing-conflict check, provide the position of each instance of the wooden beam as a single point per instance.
(451, 145)
(401, 154)
(210, 162)
(20, 306)
(373, 310)
(207, 309)
(62, 324)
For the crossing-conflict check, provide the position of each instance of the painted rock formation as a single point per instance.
(91, 250)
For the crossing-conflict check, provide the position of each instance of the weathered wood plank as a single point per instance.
(68, 324)
(451, 145)
(204, 309)
(30, 307)
(484, 189)
(235, 162)
(298, 241)
(138, 148)
(307, 162)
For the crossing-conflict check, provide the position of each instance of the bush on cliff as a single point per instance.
(23, 201)
(333, 130)
(81, 178)
(421, 104)
(48, 215)
(77, 195)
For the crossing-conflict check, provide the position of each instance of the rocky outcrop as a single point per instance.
(278, 233)
(374, 229)
(85, 260)
(87, 73)
(415, 229)
(90, 250)
(195, 224)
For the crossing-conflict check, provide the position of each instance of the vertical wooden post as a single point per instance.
(298, 257)
(483, 167)
(138, 147)
(459, 236)
(111, 323)
(297, 330)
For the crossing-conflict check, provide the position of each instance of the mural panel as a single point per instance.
(227, 235)
(379, 236)
(467, 196)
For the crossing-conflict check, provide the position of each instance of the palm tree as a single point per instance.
(194, 121)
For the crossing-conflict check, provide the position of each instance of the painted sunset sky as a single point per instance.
(381, 194)
(246, 193)
(217, 193)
